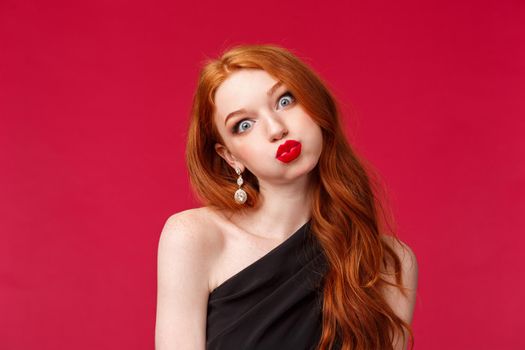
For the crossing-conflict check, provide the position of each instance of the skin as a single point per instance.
(189, 252)
(269, 122)
(285, 203)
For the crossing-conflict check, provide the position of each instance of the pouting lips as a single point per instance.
(288, 151)
(286, 147)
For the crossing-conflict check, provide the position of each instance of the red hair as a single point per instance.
(345, 199)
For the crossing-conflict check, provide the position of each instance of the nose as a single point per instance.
(276, 127)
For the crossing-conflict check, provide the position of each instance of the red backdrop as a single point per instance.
(94, 103)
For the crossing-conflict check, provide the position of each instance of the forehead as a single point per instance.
(240, 89)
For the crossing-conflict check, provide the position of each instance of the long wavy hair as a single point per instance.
(346, 205)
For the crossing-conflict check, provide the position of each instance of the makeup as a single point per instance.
(288, 151)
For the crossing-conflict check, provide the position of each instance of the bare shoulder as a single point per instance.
(193, 226)
(405, 254)
(403, 304)
(186, 245)
(191, 234)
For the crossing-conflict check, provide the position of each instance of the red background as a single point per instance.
(94, 103)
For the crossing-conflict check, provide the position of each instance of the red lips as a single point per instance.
(288, 151)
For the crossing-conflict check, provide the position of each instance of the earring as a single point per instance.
(240, 195)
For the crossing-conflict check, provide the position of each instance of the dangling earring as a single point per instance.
(240, 196)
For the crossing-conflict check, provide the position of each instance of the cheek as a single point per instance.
(315, 136)
(247, 151)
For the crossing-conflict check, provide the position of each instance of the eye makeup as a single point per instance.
(234, 128)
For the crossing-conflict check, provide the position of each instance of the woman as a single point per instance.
(288, 251)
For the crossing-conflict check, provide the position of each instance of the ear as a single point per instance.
(228, 156)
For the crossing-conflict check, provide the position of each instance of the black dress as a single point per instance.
(274, 303)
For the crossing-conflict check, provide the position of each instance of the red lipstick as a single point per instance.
(288, 151)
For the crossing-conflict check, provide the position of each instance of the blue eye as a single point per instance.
(287, 98)
(235, 128)
(290, 98)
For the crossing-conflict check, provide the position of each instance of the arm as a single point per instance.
(402, 305)
(182, 284)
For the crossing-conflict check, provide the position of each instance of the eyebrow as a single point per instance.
(240, 111)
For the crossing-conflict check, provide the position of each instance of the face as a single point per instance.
(269, 116)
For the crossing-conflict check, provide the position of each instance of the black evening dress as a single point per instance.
(274, 303)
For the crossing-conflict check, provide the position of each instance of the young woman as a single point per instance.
(288, 250)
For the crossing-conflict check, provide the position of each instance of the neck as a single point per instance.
(280, 211)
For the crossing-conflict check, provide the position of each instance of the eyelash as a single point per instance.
(286, 93)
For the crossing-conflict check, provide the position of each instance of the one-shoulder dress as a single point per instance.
(274, 303)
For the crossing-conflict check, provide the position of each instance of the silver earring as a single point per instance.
(240, 196)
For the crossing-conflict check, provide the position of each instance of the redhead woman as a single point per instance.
(288, 250)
